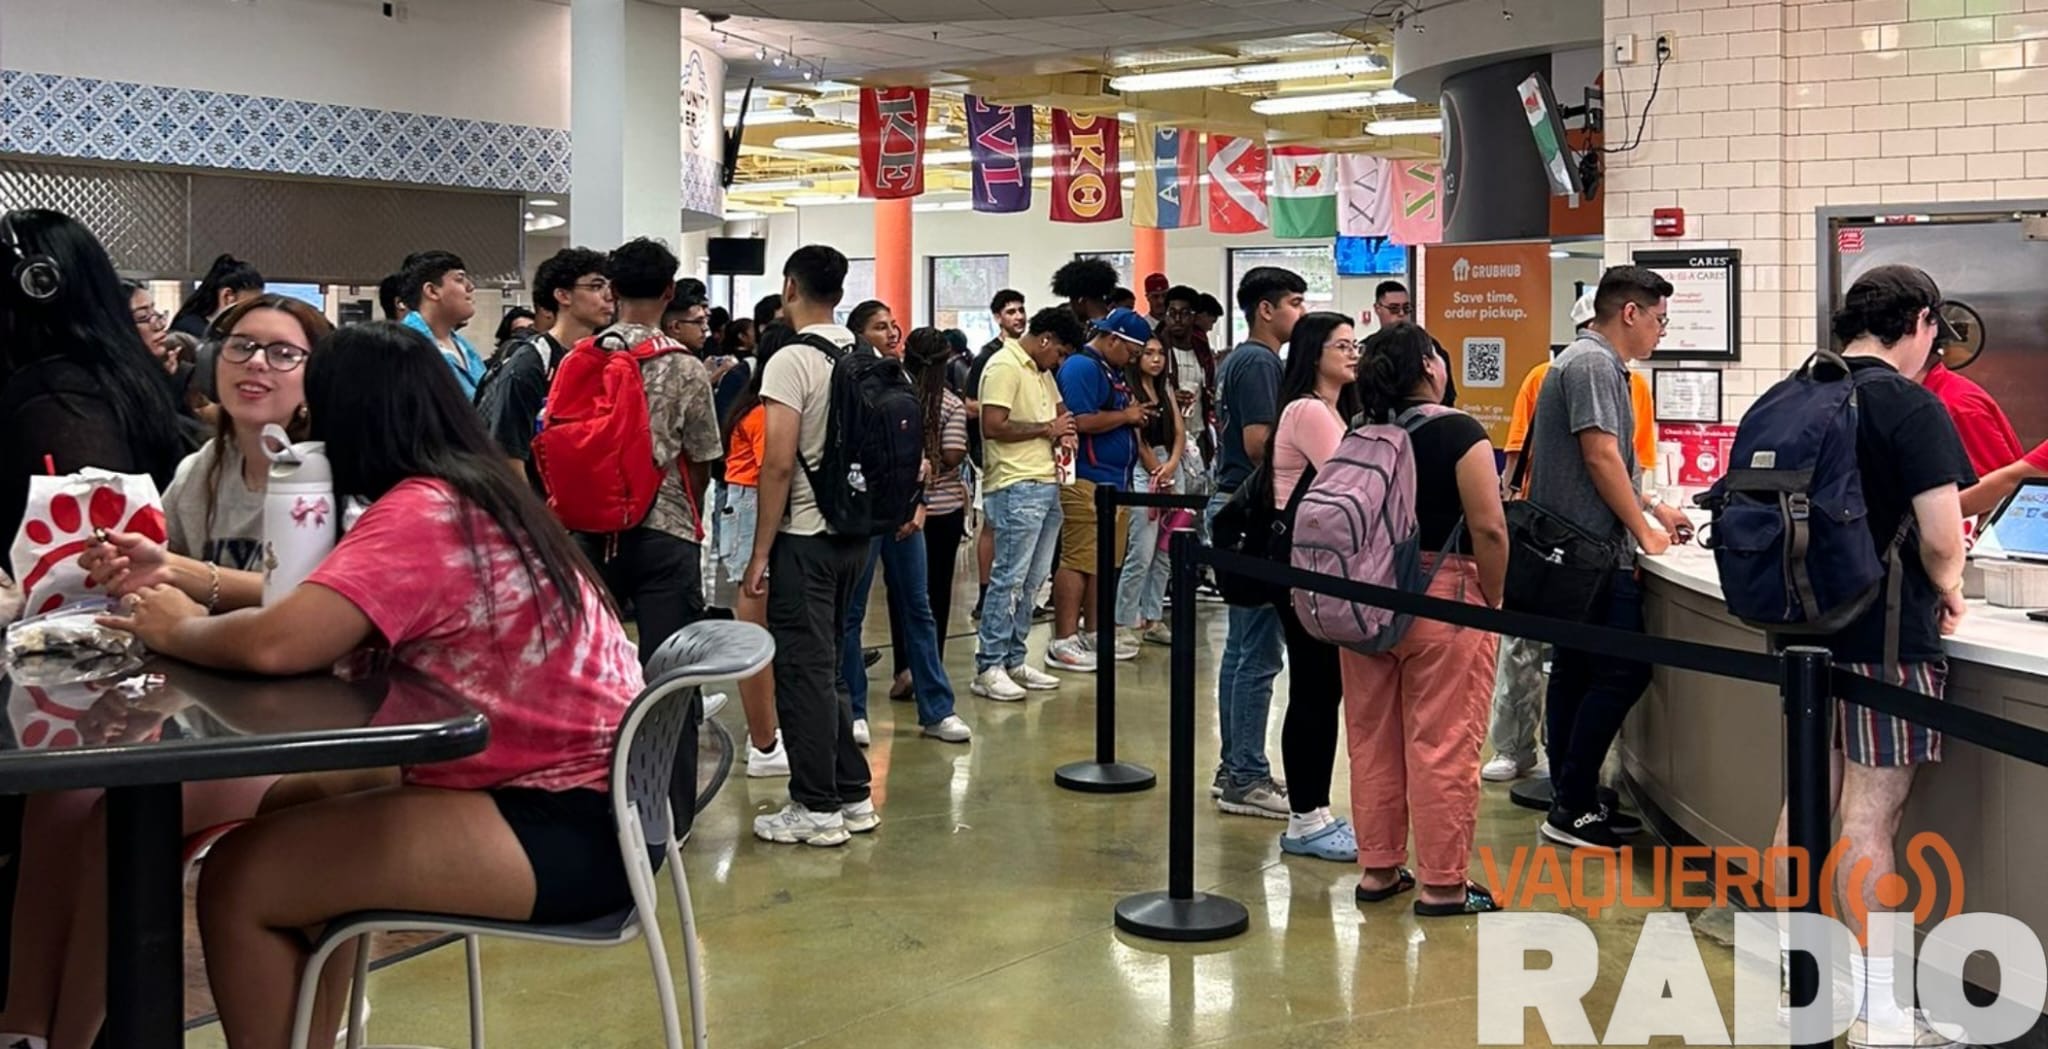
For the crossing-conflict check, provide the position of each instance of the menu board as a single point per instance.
(1706, 302)
(1687, 395)
(1693, 455)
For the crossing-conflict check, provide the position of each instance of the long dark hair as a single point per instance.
(735, 331)
(388, 408)
(926, 353)
(1393, 361)
(1305, 360)
(861, 315)
(772, 338)
(227, 273)
(1160, 386)
(316, 326)
(88, 323)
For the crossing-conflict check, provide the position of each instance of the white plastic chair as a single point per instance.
(646, 771)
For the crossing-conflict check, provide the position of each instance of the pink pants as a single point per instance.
(1415, 718)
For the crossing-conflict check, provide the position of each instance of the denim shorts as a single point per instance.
(737, 521)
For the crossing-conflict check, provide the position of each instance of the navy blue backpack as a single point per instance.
(1790, 534)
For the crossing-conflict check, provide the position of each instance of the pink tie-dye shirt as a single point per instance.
(554, 699)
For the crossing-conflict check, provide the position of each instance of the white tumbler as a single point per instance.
(300, 521)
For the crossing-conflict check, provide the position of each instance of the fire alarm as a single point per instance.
(1667, 222)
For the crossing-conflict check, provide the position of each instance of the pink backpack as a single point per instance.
(1358, 521)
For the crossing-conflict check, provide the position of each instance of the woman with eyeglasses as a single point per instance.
(150, 323)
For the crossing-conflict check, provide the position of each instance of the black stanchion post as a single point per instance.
(1180, 913)
(1105, 775)
(1808, 704)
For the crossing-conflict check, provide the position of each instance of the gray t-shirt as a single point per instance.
(234, 539)
(1587, 389)
(799, 376)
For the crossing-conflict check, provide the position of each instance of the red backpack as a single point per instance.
(595, 448)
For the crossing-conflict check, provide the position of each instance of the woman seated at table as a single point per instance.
(470, 581)
(213, 513)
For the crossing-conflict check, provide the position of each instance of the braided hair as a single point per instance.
(926, 352)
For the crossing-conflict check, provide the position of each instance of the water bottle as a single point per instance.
(300, 522)
(856, 480)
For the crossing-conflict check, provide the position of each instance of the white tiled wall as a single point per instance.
(1768, 111)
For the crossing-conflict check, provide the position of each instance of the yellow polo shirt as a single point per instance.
(1013, 380)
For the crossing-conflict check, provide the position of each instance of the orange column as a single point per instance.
(892, 258)
(1148, 256)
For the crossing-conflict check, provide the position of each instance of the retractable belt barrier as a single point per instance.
(1805, 675)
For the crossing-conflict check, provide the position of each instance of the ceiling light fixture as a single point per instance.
(1285, 104)
(1261, 73)
(845, 139)
(542, 223)
(742, 216)
(810, 73)
(771, 185)
(544, 202)
(1391, 128)
(947, 205)
(763, 117)
(760, 53)
(816, 199)
(778, 60)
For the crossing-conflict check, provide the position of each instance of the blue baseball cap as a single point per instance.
(1124, 323)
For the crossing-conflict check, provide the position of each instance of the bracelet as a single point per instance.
(213, 588)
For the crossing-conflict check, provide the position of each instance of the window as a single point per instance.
(1124, 262)
(960, 289)
(1316, 265)
(860, 287)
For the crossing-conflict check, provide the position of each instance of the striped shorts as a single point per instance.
(1876, 740)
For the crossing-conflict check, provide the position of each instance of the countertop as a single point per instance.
(1998, 637)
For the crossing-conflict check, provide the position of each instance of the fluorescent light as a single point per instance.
(1041, 151)
(544, 202)
(763, 117)
(1324, 103)
(1390, 128)
(844, 139)
(1262, 73)
(539, 223)
(1560, 254)
(771, 186)
(809, 200)
(742, 216)
(947, 205)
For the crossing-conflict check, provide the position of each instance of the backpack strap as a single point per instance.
(1894, 592)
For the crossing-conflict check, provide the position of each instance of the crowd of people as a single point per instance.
(465, 565)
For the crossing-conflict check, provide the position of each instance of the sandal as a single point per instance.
(1477, 901)
(1404, 880)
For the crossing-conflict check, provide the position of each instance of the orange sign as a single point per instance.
(1489, 304)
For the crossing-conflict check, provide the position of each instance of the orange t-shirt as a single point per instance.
(743, 459)
(1644, 409)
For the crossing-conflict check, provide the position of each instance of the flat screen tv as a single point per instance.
(1547, 126)
(737, 256)
(1370, 257)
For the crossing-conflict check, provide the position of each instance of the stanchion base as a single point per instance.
(1094, 777)
(1531, 793)
(1158, 916)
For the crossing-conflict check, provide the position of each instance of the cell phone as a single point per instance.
(2039, 615)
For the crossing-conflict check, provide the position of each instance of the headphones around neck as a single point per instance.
(36, 275)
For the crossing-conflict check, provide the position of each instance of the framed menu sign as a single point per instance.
(1706, 303)
(1687, 395)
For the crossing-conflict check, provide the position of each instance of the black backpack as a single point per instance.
(867, 483)
(494, 369)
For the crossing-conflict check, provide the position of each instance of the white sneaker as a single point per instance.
(860, 817)
(1159, 634)
(860, 731)
(795, 824)
(1501, 769)
(767, 764)
(1070, 654)
(1924, 1034)
(1127, 644)
(952, 729)
(713, 703)
(1034, 679)
(994, 684)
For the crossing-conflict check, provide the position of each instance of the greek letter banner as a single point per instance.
(892, 141)
(1086, 185)
(999, 137)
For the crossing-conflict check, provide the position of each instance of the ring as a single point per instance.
(134, 602)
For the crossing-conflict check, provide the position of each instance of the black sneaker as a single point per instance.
(1626, 824)
(870, 657)
(1580, 830)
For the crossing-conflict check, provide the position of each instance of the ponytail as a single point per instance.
(1391, 364)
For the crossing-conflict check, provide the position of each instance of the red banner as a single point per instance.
(892, 141)
(1237, 185)
(1086, 183)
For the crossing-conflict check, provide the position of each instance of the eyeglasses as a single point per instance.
(598, 284)
(1344, 346)
(281, 356)
(1399, 309)
(694, 321)
(150, 318)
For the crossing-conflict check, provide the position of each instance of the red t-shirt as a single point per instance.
(2038, 458)
(554, 701)
(1988, 437)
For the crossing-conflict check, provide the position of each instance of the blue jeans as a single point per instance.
(1026, 517)
(1141, 589)
(1590, 696)
(1253, 647)
(903, 570)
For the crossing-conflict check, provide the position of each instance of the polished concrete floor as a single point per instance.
(980, 913)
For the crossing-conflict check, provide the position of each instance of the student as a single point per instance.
(1087, 285)
(1318, 397)
(1390, 304)
(658, 564)
(1582, 435)
(1022, 422)
(149, 323)
(945, 486)
(1008, 309)
(390, 296)
(1518, 689)
(517, 323)
(738, 525)
(814, 571)
(1912, 463)
(1156, 286)
(228, 281)
(874, 327)
(1416, 715)
(1192, 367)
(1123, 298)
(1249, 379)
(1092, 387)
(573, 280)
(439, 299)
(472, 583)
(1141, 590)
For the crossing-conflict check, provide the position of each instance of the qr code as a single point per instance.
(1486, 363)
